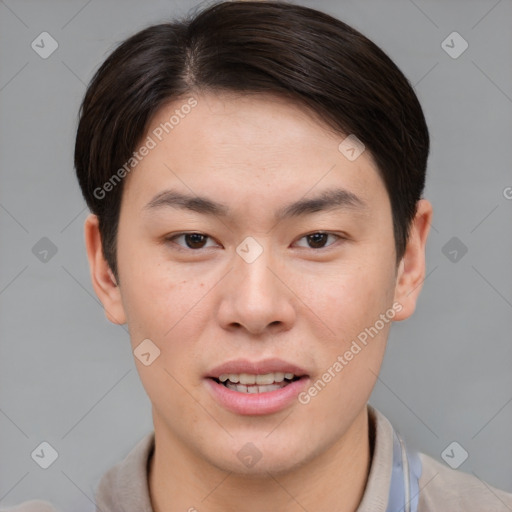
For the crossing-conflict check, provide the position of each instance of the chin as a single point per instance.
(257, 459)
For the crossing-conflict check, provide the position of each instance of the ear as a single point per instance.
(103, 280)
(411, 270)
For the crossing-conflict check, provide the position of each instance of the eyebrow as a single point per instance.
(328, 200)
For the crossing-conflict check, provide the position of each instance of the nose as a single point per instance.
(255, 296)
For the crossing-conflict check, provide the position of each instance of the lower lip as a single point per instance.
(256, 403)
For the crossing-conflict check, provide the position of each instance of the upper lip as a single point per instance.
(263, 367)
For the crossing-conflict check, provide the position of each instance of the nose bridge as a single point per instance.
(251, 269)
(255, 298)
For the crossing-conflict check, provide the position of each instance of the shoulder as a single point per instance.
(31, 506)
(125, 486)
(443, 488)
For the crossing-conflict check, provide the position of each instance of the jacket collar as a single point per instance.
(125, 486)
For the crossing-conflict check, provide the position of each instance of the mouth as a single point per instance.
(252, 383)
(256, 388)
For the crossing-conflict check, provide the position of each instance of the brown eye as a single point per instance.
(318, 240)
(191, 240)
(195, 240)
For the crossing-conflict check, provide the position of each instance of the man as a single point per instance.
(255, 176)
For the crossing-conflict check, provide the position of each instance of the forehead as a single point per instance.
(245, 143)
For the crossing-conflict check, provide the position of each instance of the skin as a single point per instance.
(297, 301)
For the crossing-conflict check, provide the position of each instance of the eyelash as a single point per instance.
(183, 248)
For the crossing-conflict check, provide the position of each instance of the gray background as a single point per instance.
(67, 375)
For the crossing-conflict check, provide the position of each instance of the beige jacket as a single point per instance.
(441, 489)
(124, 487)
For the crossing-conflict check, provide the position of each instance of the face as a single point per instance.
(272, 253)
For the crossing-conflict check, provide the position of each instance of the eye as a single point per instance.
(318, 239)
(196, 241)
(192, 240)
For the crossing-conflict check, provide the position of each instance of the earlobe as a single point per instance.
(103, 280)
(411, 270)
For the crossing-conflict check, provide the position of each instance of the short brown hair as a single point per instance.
(313, 59)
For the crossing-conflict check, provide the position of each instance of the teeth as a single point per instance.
(245, 378)
(269, 378)
(261, 380)
(255, 389)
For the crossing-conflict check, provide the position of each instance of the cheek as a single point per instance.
(349, 302)
(347, 295)
(172, 312)
(152, 305)
(155, 294)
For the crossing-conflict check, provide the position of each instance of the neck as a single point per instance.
(334, 479)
